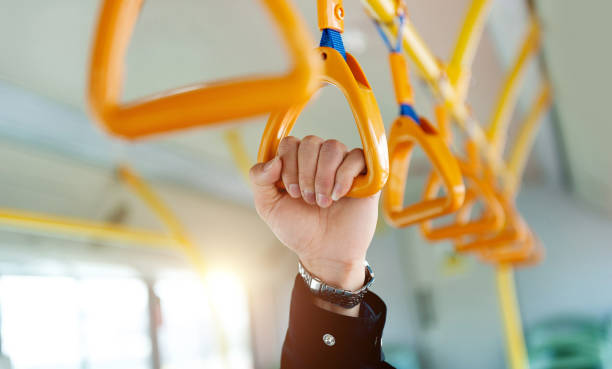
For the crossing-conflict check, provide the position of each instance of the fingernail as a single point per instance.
(336, 193)
(269, 164)
(308, 196)
(323, 200)
(294, 190)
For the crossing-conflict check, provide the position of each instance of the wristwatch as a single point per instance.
(337, 296)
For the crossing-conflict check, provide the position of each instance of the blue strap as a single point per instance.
(408, 110)
(383, 35)
(398, 41)
(332, 38)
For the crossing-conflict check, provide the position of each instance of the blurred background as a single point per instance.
(69, 302)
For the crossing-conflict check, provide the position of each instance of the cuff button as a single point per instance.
(329, 340)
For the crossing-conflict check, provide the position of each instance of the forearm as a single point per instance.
(353, 341)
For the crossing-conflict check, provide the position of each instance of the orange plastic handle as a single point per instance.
(331, 14)
(537, 254)
(492, 219)
(404, 135)
(515, 231)
(350, 79)
(200, 104)
(528, 251)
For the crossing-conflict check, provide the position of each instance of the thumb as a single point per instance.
(263, 178)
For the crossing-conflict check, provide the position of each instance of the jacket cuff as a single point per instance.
(357, 340)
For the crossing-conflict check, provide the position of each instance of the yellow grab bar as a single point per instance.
(526, 136)
(142, 190)
(515, 340)
(506, 102)
(467, 43)
(235, 144)
(82, 228)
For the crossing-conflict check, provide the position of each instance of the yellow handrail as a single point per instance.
(235, 144)
(515, 340)
(82, 228)
(498, 128)
(460, 64)
(526, 136)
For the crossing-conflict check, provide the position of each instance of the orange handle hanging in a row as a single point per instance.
(491, 220)
(514, 230)
(516, 243)
(347, 76)
(200, 104)
(492, 217)
(404, 135)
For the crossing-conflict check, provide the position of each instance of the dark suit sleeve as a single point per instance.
(356, 342)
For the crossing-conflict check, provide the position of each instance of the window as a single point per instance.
(66, 323)
(103, 323)
(188, 333)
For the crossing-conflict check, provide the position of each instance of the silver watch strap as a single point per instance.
(335, 295)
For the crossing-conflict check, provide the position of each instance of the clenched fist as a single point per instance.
(329, 232)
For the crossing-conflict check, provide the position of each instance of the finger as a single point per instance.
(331, 154)
(287, 151)
(352, 166)
(263, 178)
(308, 155)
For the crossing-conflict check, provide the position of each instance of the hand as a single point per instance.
(330, 233)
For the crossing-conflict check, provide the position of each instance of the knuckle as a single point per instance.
(312, 140)
(287, 143)
(357, 156)
(357, 151)
(333, 146)
(252, 172)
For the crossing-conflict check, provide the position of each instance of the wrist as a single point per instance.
(345, 275)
